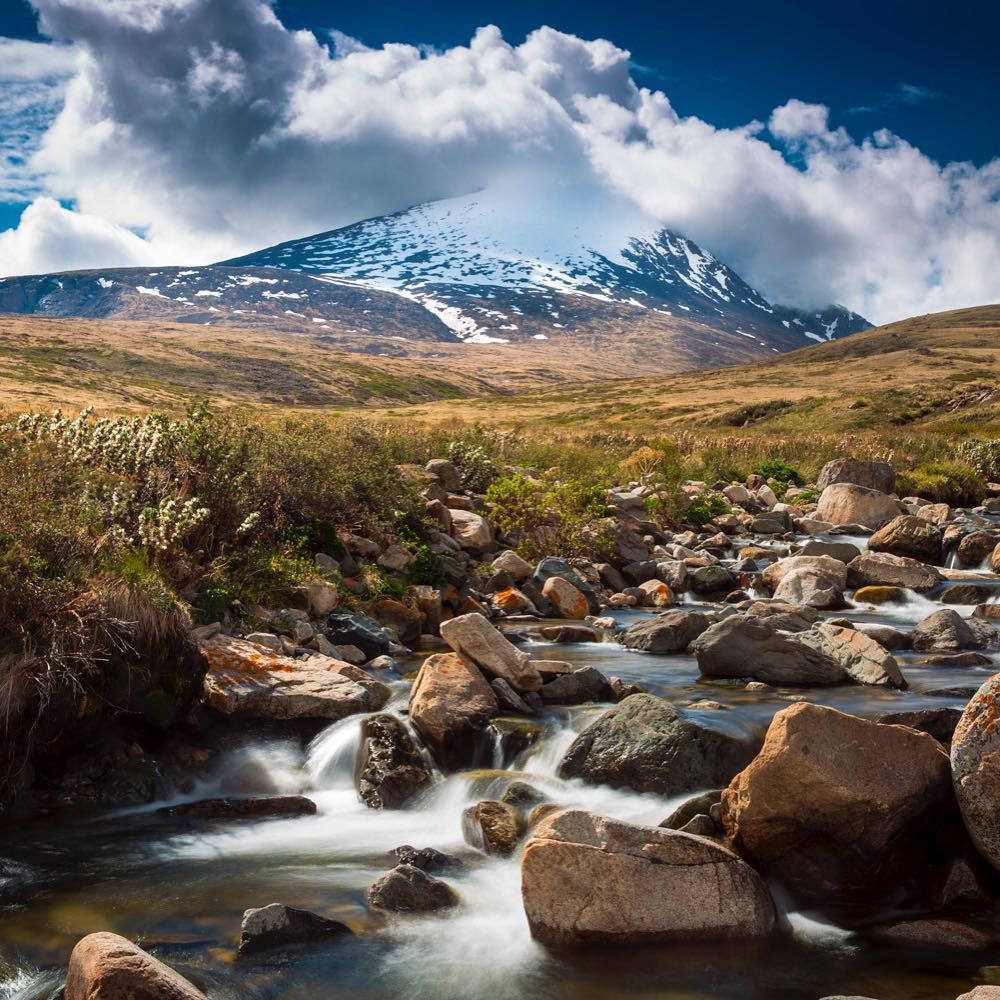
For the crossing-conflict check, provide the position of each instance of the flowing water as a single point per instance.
(181, 889)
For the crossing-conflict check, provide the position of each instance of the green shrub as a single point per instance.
(426, 568)
(774, 468)
(949, 482)
(550, 518)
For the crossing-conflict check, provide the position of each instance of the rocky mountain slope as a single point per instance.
(553, 263)
(468, 270)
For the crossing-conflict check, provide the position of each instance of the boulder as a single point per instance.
(510, 562)
(712, 579)
(105, 966)
(670, 632)
(817, 586)
(845, 503)
(975, 548)
(838, 808)
(445, 473)
(470, 530)
(408, 889)
(975, 766)
(884, 569)
(938, 722)
(492, 827)
(509, 699)
(583, 684)
(245, 679)
(982, 993)
(590, 879)
(566, 600)
(389, 769)
(874, 475)
(512, 601)
(569, 633)
(995, 568)
(944, 630)
(427, 859)
(322, 597)
(696, 806)
(276, 925)
(822, 566)
(786, 617)
(554, 566)
(646, 744)
(474, 637)
(936, 513)
(744, 646)
(931, 932)
(343, 628)
(658, 594)
(842, 551)
(909, 536)
(886, 635)
(863, 659)
(258, 807)
(879, 595)
(451, 704)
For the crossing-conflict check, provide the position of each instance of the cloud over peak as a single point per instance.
(210, 128)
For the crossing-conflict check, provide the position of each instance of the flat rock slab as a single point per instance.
(587, 878)
(248, 680)
(261, 807)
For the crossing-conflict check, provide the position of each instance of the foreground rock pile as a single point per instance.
(852, 817)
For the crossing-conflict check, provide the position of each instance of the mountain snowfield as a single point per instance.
(483, 263)
(584, 269)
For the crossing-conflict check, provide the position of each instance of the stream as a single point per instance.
(180, 889)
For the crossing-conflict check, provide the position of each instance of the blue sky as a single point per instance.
(828, 152)
(927, 71)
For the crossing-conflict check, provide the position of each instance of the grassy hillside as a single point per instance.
(940, 371)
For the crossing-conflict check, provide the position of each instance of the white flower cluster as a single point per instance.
(161, 527)
(130, 446)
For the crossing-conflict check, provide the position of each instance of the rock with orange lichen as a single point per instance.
(250, 680)
(975, 769)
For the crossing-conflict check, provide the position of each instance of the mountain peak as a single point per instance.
(497, 268)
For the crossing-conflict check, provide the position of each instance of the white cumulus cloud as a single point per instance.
(51, 238)
(214, 130)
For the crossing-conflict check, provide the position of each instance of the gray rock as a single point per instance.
(581, 685)
(390, 769)
(427, 859)
(712, 580)
(874, 475)
(408, 889)
(670, 632)
(509, 699)
(945, 630)
(276, 925)
(742, 646)
(646, 744)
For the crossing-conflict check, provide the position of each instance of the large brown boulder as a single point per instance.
(586, 878)
(646, 744)
(451, 705)
(836, 807)
(747, 646)
(877, 569)
(245, 679)
(816, 586)
(845, 503)
(975, 767)
(911, 536)
(875, 475)
(473, 636)
(105, 966)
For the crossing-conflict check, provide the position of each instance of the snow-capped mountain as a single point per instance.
(491, 273)
(585, 269)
